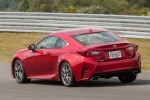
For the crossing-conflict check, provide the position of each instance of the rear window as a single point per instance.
(96, 38)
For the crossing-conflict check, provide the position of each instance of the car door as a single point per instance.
(39, 61)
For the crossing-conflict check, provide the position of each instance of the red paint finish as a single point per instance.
(44, 63)
(90, 30)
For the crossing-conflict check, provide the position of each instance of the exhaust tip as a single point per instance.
(135, 72)
(95, 78)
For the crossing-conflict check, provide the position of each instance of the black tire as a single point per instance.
(127, 78)
(67, 76)
(19, 72)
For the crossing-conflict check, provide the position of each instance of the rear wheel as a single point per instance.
(127, 78)
(19, 72)
(67, 76)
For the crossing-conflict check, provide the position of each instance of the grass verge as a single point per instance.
(12, 42)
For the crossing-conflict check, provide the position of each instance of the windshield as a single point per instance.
(96, 38)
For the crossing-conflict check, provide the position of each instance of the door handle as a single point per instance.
(48, 53)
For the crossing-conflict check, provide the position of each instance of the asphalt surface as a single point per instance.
(105, 89)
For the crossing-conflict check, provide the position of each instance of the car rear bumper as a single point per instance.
(111, 68)
(115, 73)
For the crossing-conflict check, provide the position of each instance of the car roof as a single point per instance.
(77, 31)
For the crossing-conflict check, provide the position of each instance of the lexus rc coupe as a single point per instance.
(76, 55)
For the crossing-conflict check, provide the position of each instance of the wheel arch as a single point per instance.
(59, 67)
(12, 65)
(76, 66)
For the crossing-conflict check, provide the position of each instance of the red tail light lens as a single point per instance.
(131, 50)
(89, 53)
(92, 53)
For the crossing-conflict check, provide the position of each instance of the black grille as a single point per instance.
(84, 72)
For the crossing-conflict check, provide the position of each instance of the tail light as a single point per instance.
(89, 53)
(131, 50)
(93, 53)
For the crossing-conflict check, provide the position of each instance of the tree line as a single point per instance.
(128, 7)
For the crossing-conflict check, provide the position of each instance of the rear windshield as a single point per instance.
(96, 38)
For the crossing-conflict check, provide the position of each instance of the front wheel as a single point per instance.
(66, 75)
(127, 78)
(19, 72)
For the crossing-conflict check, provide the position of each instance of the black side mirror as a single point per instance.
(31, 47)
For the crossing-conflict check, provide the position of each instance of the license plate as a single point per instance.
(115, 54)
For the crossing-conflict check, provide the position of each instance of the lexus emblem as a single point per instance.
(115, 46)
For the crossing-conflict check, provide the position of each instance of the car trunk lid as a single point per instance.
(108, 51)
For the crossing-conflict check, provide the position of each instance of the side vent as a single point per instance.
(84, 72)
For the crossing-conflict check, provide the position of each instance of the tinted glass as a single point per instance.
(60, 43)
(96, 38)
(48, 42)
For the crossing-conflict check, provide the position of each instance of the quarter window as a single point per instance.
(60, 43)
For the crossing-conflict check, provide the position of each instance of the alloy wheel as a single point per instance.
(18, 71)
(67, 75)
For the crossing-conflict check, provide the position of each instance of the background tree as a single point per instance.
(131, 7)
(9, 5)
(41, 5)
(24, 5)
(144, 3)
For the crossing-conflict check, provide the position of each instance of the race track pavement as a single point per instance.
(104, 89)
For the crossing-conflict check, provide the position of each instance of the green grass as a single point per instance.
(12, 42)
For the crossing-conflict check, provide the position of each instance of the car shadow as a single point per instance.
(112, 83)
(46, 82)
(95, 83)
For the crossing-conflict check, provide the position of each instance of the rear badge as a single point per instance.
(115, 46)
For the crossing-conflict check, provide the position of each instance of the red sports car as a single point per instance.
(76, 55)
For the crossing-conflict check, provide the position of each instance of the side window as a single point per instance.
(48, 42)
(60, 43)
